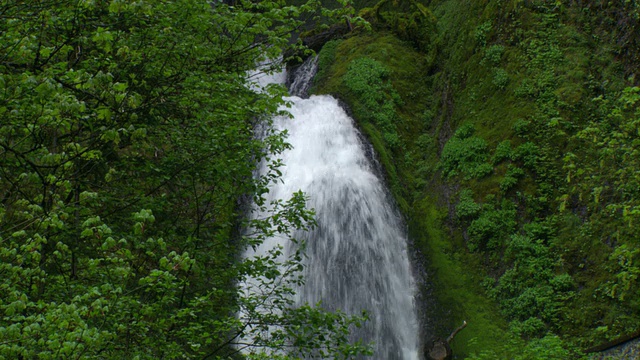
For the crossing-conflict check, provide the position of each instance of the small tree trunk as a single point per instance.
(440, 349)
(456, 331)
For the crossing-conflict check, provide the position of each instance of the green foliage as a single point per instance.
(547, 347)
(521, 127)
(503, 152)
(408, 19)
(612, 140)
(531, 287)
(493, 55)
(564, 163)
(531, 292)
(615, 20)
(126, 141)
(467, 207)
(481, 33)
(326, 57)
(528, 154)
(427, 154)
(500, 78)
(605, 177)
(365, 73)
(490, 230)
(511, 177)
(368, 80)
(466, 155)
(626, 271)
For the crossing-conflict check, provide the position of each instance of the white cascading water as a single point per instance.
(357, 255)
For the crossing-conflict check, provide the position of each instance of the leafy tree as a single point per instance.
(126, 140)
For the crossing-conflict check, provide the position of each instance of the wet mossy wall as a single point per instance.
(505, 128)
(397, 74)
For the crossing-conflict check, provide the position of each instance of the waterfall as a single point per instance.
(300, 80)
(357, 255)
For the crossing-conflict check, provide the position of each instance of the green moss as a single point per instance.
(376, 76)
(326, 57)
(523, 75)
(456, 281)
(457, 286)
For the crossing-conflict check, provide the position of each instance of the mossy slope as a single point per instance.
(504, 130)
(457, 289)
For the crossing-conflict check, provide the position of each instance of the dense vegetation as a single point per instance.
(127, 153)
(509, 132)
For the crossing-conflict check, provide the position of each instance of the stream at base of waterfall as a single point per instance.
(357, 257)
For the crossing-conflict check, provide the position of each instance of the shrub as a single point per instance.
(491, 228)
(527, 153)
(503, 152)
(521, 127)
(465, 131)
(511, 178)
(467, 207)
(367, 79)
(465, 154)
(492, 55)
(481, 33)
(530, 327)
(500, 78)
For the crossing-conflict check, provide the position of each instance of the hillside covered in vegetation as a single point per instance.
(509, 131)
(510, 135)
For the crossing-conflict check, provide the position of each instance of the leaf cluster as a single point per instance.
(465, 154)
(368, 80)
